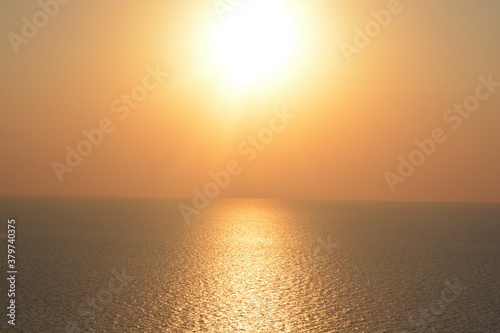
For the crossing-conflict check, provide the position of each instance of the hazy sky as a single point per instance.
(354, 113)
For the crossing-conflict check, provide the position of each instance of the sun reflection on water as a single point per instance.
(252, 282)
(242, 272)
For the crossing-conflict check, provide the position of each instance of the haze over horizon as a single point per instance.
(350, 115)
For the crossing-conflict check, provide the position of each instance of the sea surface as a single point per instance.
(251, 265)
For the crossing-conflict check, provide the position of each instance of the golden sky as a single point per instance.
(355, 83)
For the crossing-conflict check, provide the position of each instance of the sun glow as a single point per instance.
(254, 42)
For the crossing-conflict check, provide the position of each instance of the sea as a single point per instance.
(100, 264)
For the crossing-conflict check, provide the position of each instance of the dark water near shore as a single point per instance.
(247, 265)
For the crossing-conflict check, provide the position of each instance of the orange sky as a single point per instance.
(352, 119)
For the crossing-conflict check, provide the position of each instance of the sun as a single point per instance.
(255, 42)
